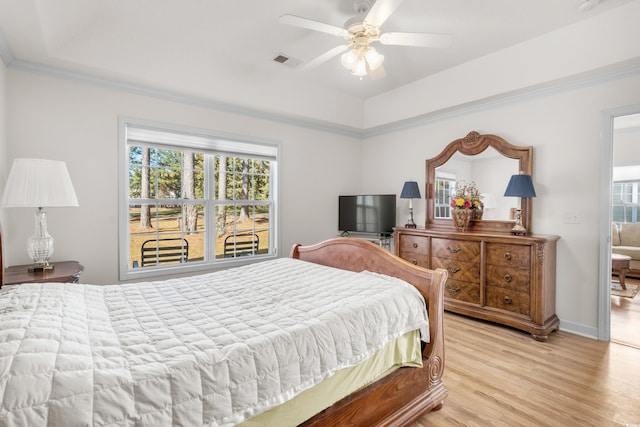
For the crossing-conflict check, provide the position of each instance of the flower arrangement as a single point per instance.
(465, 196)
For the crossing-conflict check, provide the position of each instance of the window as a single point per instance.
(626, 201)
(191, 200)
(444, 185)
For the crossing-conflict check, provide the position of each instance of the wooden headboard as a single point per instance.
(403, 396)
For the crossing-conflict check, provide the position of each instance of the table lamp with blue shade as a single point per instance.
(39, 183)
(520, 185)
(410, 191)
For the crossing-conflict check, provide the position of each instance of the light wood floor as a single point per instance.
(498, 376)
(625, 318)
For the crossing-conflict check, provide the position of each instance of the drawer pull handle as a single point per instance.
(415, 262)
(453, 290)
(507, 255)
(507, 300)
(453, 269)
(454, 250)
(415, 245)
(507, 277)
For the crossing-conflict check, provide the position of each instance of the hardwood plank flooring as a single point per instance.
(498, 376)
(625, 318)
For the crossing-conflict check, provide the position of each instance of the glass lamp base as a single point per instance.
(40, 245)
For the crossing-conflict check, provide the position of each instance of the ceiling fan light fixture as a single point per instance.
(360, 68)
(349, 59)
(374, 59)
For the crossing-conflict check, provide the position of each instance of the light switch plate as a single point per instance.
(572, 217)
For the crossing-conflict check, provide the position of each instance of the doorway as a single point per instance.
(619, 315)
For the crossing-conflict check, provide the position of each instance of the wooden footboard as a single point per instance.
(408, 393)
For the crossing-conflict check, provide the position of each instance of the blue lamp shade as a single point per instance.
(520, 186)
(410, 190)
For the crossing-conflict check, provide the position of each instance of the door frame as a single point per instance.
(604, 239)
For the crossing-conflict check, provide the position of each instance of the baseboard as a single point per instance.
(579, 329)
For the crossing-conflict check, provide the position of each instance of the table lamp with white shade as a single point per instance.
(39, 183)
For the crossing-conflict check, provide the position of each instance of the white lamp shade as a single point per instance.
(360, 69)
(374, 59)
(38, 183)
(349, 59)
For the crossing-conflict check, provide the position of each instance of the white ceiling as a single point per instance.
(205, 47)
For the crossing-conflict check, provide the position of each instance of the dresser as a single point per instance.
(497, 277)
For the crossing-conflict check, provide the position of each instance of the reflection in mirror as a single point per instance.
(489, 170)
(494, 162)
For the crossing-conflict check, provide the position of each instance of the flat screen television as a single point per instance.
(367, 213)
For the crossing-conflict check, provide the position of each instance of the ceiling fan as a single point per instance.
(358, 55)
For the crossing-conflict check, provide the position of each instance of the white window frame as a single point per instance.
(443, 204)
(210, 142)
(633, 204)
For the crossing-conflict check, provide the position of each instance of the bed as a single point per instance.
(188, 352)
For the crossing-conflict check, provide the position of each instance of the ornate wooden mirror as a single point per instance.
(493, 160)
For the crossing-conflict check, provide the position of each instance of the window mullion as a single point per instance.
(210, 208)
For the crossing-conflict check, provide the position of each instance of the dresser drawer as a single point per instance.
(507, 299)
(418, 259)
(456, 249)
(458, 270)
(507, 277)
(415, 244)
(517, 256)
(462, 291)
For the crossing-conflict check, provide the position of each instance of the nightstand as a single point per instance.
(63, 271)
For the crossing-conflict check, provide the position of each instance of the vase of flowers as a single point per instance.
(465, 205)
(461, 218)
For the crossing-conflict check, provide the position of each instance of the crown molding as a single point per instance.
(601, 75)
(138, 89)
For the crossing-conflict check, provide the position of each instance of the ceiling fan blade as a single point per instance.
(325, 57)
(381, 11)
(416, 39)
(310, 24)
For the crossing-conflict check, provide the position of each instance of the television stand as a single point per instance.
(381, 239)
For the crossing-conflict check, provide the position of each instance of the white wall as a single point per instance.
(626, 147)
(78, 123)
(564, 129)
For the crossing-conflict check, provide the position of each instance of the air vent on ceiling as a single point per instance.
(287, 60)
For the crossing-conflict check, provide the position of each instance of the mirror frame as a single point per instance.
(471, 145)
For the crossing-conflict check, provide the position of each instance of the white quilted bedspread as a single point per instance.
(208, 350)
